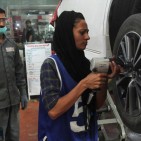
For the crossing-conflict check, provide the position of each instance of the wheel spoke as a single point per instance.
(139, 103)
(138, 90)
(123, 50)
(138, 87)
(137, 63)
(127, 101)
(121, 61)
(132, 97)
(138, 94)
(137, 53)
(129, 48)
(120, 80)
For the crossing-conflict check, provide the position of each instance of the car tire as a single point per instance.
(127, 87)
(118, 14)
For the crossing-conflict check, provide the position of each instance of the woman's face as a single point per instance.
(80, 32)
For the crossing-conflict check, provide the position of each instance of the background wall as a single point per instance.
(38, 11)
(5, 3)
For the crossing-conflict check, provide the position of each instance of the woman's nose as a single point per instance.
(87, 37)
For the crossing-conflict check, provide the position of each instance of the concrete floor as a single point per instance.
(29, 122)
(29, 126)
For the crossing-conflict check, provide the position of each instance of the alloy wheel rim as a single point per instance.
(128, 82)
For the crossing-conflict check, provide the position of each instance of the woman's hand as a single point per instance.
(96, 80)
(114, 68)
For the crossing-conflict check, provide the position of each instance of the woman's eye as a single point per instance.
(82, 32)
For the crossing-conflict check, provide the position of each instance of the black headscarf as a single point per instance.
(73, 59)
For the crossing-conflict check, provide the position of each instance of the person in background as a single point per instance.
(12, 85)
(28, 32)
(70, 92)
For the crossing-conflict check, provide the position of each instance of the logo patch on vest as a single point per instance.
(10, 49)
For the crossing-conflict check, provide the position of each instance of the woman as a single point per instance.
(68, 97)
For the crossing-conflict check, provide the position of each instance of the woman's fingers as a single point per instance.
(114, 68)
(97, 80)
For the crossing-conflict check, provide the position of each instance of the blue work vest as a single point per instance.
(71, 125)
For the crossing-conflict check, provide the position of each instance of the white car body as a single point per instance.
(115, 24)
(96, 13)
